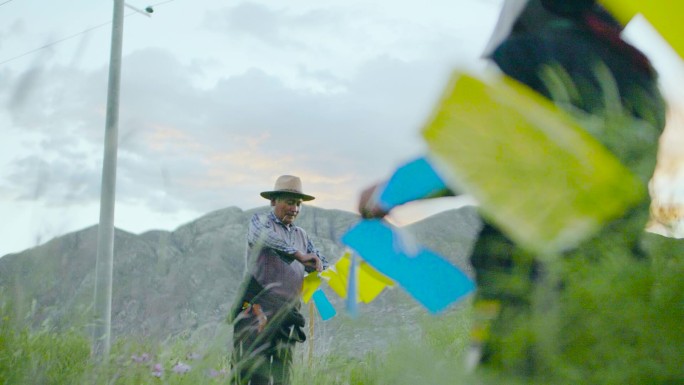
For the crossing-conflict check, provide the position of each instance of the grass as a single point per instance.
(41, 357)
(617, 322)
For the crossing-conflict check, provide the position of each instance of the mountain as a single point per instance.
(183, 282)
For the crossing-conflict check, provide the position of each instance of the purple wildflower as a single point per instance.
(157, 370)
(181, 368)
(213, 373)
(141, 358)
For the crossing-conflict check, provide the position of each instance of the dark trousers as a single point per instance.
(264, 357)
(260, 357)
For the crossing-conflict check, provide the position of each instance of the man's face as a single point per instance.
(286, 208)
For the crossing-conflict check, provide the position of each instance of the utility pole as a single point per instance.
(105, 236)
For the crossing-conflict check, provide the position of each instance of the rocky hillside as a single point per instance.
(183, 282)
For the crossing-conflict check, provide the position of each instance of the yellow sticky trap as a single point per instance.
(662, 14)
(370, 282)
(310, 284)
(338, 276)
(536, 173)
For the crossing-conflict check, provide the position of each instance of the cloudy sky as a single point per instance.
(218, 98)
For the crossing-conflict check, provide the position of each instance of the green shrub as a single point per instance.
(42, 357)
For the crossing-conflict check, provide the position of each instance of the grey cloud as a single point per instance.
(53, 99)
(186, 147)
(275, 27)
(255, 114)
(25, 85)
(59, 181)
(249, 19)
(12, 30)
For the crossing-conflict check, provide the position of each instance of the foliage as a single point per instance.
(616, 321)
(621, 323)
(41, 357)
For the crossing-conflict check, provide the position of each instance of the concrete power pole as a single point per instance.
(105, 236)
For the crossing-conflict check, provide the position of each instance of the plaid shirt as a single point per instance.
(267, 235)
(261, 234)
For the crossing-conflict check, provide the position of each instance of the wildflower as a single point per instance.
(141, 358)
(157, 370)
(213, 373)
(181, 368)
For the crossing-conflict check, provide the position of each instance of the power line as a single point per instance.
(71, 36)
(56, 42)
(160, 3)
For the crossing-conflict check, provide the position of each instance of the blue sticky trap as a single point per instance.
(352, 289)
(325, 308)
(429, 278)
(414, 180)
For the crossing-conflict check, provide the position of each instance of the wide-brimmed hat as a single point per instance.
(287, 185)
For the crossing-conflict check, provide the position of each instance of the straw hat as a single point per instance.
(287, 185)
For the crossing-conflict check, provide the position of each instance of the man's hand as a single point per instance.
(368, 207)
(260, 316)
(310, 260)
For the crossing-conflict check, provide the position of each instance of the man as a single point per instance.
(570, 52)
(266, 317)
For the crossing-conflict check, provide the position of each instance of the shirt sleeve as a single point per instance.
(310, 248)
(261, 234)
